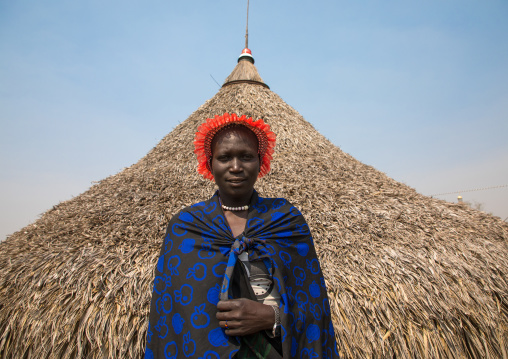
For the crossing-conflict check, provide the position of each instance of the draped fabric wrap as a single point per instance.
(197, 266)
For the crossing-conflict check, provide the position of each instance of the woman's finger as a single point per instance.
(231, 327)
(228, 305)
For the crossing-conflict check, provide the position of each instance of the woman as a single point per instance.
(238, 275)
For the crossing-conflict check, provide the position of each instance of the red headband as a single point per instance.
(207, 130)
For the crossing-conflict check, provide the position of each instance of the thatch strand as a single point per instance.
(408, 276)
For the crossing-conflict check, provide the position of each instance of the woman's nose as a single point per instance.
(236, 165)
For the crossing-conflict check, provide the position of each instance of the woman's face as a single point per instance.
(235, 164)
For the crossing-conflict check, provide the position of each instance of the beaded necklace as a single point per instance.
(226, 208)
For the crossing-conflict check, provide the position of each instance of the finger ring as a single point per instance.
(226, 325)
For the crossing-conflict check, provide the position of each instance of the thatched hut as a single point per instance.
(409, 276)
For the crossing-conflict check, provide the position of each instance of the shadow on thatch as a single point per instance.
(408, 276)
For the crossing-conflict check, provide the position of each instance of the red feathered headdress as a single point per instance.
(208, 129)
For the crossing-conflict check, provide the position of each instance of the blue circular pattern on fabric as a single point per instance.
(171, 350)
(300, 322)
(260, 207)
(217, 338)
(200, 319)
(299, 274)
(276, 216)
(187, 245)
(179, 229)
(294, 212)
(308, 353)
(165, 304)
(284, 223)
(302, 248)
(210, 208)
(161, 327)
(278, 203)
(270, 250)
(198, 272)
(161, 283)
(303, 229)
(189, 345)
(186, 217)
(301, 298)
(261, 248)
(294, 346)
(148, 353)
(285, 257)
(255, 223)
(312, 332)
(206, 251)
(313, 265)
(314, 289)
(220, 222)
(177, 323)
(210, 354)
(232, 354)
(173, 264)
(315, 309)
(219, 269)
(184, 295)
(213, 294)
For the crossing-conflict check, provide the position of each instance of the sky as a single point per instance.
(416, 89)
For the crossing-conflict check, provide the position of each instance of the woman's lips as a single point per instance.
(236, 180)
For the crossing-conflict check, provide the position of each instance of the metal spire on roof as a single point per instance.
(245, 71)
(246, 53)
(247, 28)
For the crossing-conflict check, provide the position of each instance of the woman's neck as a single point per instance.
(231, 201)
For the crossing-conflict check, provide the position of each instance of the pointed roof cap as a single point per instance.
(245, 71)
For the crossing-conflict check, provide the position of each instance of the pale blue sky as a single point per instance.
(419, 90)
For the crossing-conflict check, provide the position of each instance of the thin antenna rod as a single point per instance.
(214, 80)
(247, 28)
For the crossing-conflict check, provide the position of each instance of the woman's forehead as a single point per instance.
(246, 135)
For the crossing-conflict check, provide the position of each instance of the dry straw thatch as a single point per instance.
(409, 276)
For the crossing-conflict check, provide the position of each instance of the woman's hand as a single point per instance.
(244, 316)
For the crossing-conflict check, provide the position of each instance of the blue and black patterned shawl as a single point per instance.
(194, 271)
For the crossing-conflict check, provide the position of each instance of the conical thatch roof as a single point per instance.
(408, 276)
